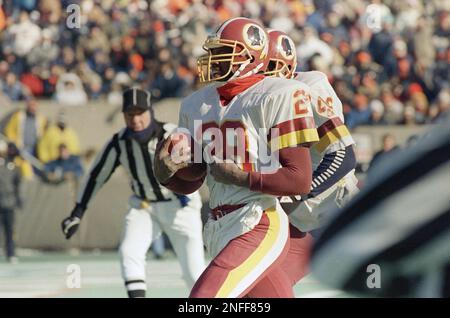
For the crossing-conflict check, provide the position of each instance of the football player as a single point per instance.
(333, 158)
(243, 111)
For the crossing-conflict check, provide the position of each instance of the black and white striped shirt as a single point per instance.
(400, 222)
(137, 159)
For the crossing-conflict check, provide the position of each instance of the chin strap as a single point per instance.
(238, 72)
(242, 67)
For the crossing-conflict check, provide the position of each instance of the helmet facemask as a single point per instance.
(238, 49)
(283, 58)
(279, 68)
(211, 65)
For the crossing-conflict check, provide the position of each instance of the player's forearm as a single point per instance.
(333, 167)
(293, 178)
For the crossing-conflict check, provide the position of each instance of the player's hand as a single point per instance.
(168, 163)
(229, 172)
(290, 204)
(70, 226)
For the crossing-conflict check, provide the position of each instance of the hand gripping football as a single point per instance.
(181, 143)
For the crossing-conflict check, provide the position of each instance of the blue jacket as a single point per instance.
(72, 164)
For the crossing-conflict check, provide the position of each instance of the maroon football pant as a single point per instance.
(296, 263)
(250, 264)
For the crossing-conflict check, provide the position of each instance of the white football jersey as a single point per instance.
(334, 136)
(328, 116)
(246, 124)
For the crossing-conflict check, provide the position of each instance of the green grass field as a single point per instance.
(47, 274)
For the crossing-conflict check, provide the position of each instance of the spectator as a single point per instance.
(380, 44)
(442, 108)
(13, 88)
(95, 87)
(419, 102)
(50, 10)
(120, 82)
(393, 108)
(25, 128)
(440, 71)
(24, 36)
(408, 15)
(409, 116)
(364, 64)
(66, 167)
(389, 145)
(441, 37)
(360, 114)
(61, 133)
(384, 15)
(26, 170)
(95, 41)
(69, 90)
(377, 116)
(312, 45)
(167, 83)
(4, 70)
(44, 53)
(10, 199)
(33, 81)
(424, 50)
(67, 59)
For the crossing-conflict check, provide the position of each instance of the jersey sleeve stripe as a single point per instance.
(329, 125)
(294, 138)
(340, 133)
(292, 125)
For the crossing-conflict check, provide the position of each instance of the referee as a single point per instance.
(152, 207)
(393, 239)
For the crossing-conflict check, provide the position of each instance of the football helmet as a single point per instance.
(237, 49)
(282, 55)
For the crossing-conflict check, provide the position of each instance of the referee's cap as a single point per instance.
(136, 98)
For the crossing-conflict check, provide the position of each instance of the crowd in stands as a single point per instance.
(389, 61)
(39, 148)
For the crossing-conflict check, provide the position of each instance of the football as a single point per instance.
(195, 171)
(178, 142)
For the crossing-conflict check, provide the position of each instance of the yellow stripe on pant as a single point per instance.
(237, 275)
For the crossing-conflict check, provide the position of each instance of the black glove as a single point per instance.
(70, 224)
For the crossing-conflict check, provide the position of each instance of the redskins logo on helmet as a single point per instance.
(254, 36)
(282, 55)
(286, 47)
(239, 48)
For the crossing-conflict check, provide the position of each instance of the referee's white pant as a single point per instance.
(145, 222)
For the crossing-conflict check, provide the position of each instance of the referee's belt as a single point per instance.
(146, 203)
(223, 210)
